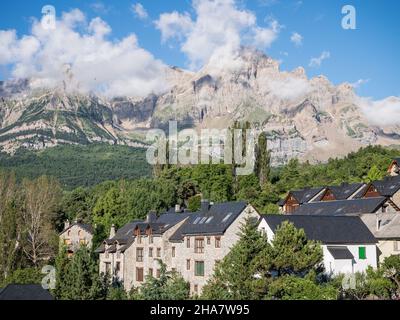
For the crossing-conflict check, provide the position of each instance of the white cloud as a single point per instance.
(359, 83)
(316, 62)
(289, 88)
(100, 8)
(86, 59)
(217, 32)
(384, 112)
(140, 11)
(297, 39)
(174, 25)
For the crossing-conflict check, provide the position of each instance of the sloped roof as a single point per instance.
(305, 195)
(343, 191)
(341, 207)
(326, 229)
(389, 225)
(84, 226)
(214, 221)
(388, 186)
(25, 292)
(340, 253)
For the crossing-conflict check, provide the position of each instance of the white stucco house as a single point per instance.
(348, 245)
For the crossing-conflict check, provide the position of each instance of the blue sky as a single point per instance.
(369, 54)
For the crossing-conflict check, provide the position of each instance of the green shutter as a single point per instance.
(362, 255)
(199, 268)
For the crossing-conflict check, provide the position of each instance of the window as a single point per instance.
(82, 242)
(139, 274)
(150, 271)
(187, 242)
(158, 252)
(139, 239)
(69, 233)
(173, 269)
(173, 252)
(209, 219)
(150, 252)
(158, 273)
(119, 255)
(208, 240)
(199, 245)
(203, 220)
(396, 245)
(227, 217)
(108, 267)
(188, 264)
(362, 255)
(117, 267)
(199, 268)
(67, 242)
(196, 288)
(139, 254)
(196, 220)
(107, 254)
(150, 239)
(79, 233)
(218, 242)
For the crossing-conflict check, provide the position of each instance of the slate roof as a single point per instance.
(84, 226)
(327, 229)
(388, 186)
(213, 221)
(343, 191)
(25, 292)
(389, 225)
(340, 253)
(305, 195)
(341, 207)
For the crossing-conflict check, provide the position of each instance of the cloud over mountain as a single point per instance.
(79, 53)
(217, 31)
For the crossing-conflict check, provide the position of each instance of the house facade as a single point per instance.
(394, 167)
(75, 235)
(386, 229)
(190, 243)
(348, 245)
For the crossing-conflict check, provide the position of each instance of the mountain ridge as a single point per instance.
(310, 119)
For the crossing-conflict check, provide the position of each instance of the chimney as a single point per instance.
(205, 206)
(112, 231)
(151, 217)
(66, 224)
(178, 208)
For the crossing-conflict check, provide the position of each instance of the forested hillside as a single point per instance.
(76, 166)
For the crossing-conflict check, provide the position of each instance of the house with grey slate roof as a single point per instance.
(75, 235)
(348, 245)
(345, 207)
(190, 243)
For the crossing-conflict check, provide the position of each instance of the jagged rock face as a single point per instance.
(310, 119)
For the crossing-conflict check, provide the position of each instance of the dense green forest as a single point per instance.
(75, 166)
(112, 188)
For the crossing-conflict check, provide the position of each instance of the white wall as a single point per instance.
(338, 266)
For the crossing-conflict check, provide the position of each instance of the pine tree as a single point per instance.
(234, 277)
(374, 174)
(263, 158)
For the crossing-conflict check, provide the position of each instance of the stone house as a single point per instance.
(190, 243)
(75, 235)
(386, 229)
(348, 245)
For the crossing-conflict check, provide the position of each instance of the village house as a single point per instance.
(345, 191)
(348, 245)
(75, 235)
(386, 229)
(190, 243)
(298, 197)
(389, 187)
(394, 167)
